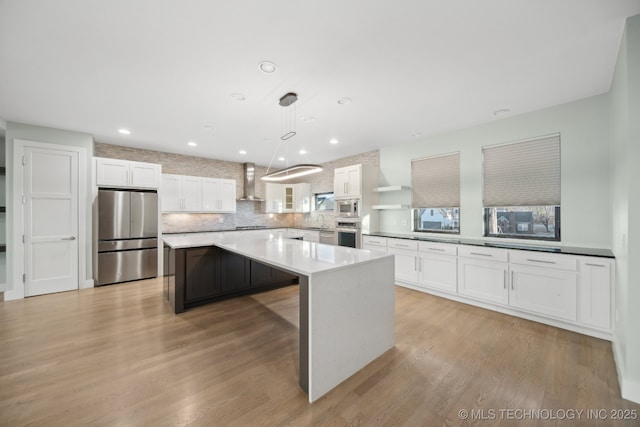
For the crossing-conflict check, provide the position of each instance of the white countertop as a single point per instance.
(274, 249)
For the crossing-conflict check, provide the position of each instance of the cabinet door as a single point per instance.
(354, 188)
(191, 194)
(340, 183)
(273, 194)
(406, 264)
(210, 195)
(202, 273)
(439, 271)
(112, 172)
(227, 195)
(287, 195)
(234, 272)
(485, 280)
(543, 290)
(263, 275)
(302, 197)
(171, 193)
(595, 293)
(144, 175)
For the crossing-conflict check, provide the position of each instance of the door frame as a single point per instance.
(17, 249)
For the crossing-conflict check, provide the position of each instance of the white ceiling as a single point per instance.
(165, 69)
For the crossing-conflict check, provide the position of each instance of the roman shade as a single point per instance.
(435, 181)
(524, 173)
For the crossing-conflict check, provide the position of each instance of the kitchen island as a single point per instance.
(347, 313)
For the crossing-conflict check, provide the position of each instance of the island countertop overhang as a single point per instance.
(297, 256)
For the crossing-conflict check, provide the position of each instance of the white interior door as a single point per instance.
(51, 220)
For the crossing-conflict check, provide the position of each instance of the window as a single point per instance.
(435, 183)
(521, 189)
(324, 202)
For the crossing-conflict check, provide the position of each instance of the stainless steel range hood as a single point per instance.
(250, 183)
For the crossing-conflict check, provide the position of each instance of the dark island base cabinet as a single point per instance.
(197, 276)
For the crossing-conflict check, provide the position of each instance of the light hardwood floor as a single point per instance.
(117, 356)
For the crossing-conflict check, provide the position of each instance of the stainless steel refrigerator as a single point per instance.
(127, 235)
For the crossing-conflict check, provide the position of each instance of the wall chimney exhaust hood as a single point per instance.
(250, 183)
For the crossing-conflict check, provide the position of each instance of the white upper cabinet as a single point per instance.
(181, 193)
(347, 182)
(218, 195)
(126, 174)
(286, 198)
(273, 193)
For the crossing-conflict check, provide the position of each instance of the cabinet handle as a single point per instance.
(505, 280)
(481, 254)
(512, 280)
(594, 265)
(436, 249)
(541, 261)
(402, 246)
(415, 263)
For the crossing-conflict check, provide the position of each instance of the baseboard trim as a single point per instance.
(629, 389)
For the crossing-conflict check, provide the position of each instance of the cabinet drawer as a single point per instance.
(402, 244)
(490, 254)
(438, 248)
(537, 259)
(376, 241)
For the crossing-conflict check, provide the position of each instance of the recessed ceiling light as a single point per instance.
(344, 101)
(267, 67)
(501, 112)
(210, 128)
(192, 144)
(333, 141)
(303, 151)
(242, 151)
(124, 131)
(307, 118)
(282, 159)
(415, 135)
(237, 96)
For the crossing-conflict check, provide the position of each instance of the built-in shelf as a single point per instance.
(391, 188)
(381, 207)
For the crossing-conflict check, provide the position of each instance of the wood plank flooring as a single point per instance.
(117, 355)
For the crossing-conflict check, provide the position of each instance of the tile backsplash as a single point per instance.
(248, 213)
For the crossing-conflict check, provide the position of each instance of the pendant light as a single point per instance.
(288, 131)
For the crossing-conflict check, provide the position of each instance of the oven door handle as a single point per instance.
(347, 230)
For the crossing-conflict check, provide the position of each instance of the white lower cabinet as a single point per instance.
(482, 273)
(406, 264)
(484, 280)
(570, 291)
(594, 300)
(438, 271)
(544, 291)
(372, 243)
(406, 258)
(438, 266)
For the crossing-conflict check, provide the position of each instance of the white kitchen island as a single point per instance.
(347, 314)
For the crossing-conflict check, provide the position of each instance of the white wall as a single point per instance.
(625, 206)
(584, 130)
(51, 136)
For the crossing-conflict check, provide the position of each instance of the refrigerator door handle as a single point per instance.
(69, 238)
